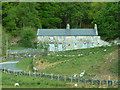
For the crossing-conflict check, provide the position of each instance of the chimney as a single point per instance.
(67, 27)
(95, 27)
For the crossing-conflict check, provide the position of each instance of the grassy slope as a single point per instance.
(92, 63)
(25, 64)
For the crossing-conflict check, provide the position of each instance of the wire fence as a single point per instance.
(96, 82)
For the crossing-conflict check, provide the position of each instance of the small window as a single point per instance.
(51, 47)
(92, 37)
(75, 37)
(75, 44)
(51, 38)
(84, 45)
(92, 44)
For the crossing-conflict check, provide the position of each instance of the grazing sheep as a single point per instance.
(82, 73)
(75, 75)
(35, 69)
(76, 85)
(16, 84)
(105, 50)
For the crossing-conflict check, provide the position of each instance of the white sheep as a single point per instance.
(82, 73)
(76, 85)
(16, 84)
(75, 75)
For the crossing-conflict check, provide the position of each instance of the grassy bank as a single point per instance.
(98, 63)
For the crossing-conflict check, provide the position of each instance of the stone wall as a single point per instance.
(70, 42)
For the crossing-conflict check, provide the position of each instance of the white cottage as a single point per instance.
(69, 39)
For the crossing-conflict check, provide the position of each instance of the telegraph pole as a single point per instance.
(6, 46)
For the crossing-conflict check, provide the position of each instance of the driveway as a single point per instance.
(10, 65)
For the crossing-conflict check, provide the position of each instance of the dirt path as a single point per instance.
(45, 65)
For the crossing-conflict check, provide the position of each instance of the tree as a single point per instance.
(27, 36)
(107, 21)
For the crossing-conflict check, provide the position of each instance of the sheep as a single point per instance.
(16, 84)
(76, 85)
(82, 73)
(75, 75)
(35, 69)
(105, 50)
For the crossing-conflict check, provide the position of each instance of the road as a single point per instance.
(10, 65)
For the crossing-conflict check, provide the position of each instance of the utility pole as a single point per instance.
(6, 46)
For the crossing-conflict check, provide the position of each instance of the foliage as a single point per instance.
(107, 21)
(27, 36)
(15, 16)
(58, 14)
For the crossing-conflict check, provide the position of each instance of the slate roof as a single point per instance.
(64, 32)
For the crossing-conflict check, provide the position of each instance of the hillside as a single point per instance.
(99, 63)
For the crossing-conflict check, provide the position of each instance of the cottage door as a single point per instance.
(60, 47)
(84, 45)
(51, 47)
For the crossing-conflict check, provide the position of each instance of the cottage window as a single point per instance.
(60, 47)
(84, 45)
(92, 44)
(51, 38)
(75, 44)
(51, 46)
(75, 37)
(92, 37)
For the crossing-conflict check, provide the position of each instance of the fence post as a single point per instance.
(29, 73)
(24, 72)
(40, 75)
(64, 78)
(51, 76)
(58, 77)
(92, 81)
(71, 79)
(8, 71)
(14, 71)
(100, 84)
(4, 69)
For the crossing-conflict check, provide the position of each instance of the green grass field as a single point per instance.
(8, 81)
(92, 63)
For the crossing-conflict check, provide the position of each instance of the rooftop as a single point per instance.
(64, 32)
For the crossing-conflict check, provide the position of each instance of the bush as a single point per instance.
(27, 35)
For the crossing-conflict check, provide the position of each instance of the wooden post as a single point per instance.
(8, 71)
(64, 78)
(109, 77)
(100, 84)
(4, 69)
(40, 75)
(58, 77)
(51, 75)
(71, 79)
(24, 72)
(29, 73)
(14, 71)
(92, 81)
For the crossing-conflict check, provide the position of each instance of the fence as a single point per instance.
(64, 78)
